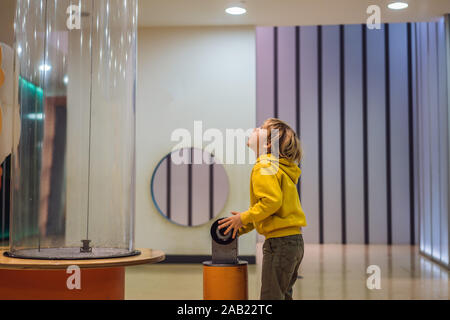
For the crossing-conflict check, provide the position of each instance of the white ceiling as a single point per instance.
(282, 12)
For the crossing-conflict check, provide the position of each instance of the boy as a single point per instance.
(275, 210)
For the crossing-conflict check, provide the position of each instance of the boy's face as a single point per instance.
(257, 138)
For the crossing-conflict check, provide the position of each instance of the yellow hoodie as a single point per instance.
(275, 209)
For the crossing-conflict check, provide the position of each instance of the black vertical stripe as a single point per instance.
(190, 187)
(343, 146)
(388, 135)
(297, 92)
(412, 232)
(320, 138)
(3, 198)
(275, 72)
(418, 128)
(169, 187)
(211, 189)
(365, 135)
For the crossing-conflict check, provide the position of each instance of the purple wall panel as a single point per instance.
(354, 134)
(331, 135)
(308, 131)
(376, 136)
(286, 75)
(399, 133)
(351, 119)
(264, 74)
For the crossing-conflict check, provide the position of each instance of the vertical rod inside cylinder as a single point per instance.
(90, 120)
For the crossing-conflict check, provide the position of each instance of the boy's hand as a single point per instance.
(233, 222)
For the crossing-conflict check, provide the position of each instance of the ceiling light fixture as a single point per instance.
(236, 9)
(397, 5)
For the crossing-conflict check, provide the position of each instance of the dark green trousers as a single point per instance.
(281, 260)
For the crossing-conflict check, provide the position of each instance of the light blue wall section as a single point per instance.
(432, 65)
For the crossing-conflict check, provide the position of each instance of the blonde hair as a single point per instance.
(288, 141)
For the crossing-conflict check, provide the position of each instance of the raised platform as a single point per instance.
(146, 256)
(99, 279)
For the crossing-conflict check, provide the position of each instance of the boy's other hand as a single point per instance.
(233, 222)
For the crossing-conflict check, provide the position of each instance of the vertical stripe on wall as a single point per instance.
(434, 142)
(417, 193)
(343, 146)
(365, 135)
(412, 231)
(191, 151)
(309, 128)
(400, 135)
(387, 75)
(376, 129)
(354, 133)
(211, 189)
(330, 136)
(319, 128)
(297, 94)
(286, 71)
(275, 72)
(264, 74)
(168, 192)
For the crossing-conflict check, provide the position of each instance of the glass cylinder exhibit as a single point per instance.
(73, 186)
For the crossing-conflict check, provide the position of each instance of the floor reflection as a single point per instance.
(328, 272)
(335, 271)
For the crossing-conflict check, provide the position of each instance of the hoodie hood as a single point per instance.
(291, 169)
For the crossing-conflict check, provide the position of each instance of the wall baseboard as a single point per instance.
(184, 259)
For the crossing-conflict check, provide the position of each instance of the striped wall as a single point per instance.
(347, 92)
(432, 85)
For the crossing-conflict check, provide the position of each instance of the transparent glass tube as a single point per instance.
(73, 171)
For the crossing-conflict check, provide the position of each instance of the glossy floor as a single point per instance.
(327, 272)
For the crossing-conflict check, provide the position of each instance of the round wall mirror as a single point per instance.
(189, 187)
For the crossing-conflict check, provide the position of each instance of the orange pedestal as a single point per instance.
(96, 284)
(225, 282)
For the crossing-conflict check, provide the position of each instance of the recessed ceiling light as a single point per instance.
(235, 10)
(397, 5)
(66, 79)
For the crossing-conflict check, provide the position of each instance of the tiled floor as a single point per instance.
(328, 272)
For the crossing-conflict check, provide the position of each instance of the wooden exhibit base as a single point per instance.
(99, 279)
(96, 284)
(225, 282)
